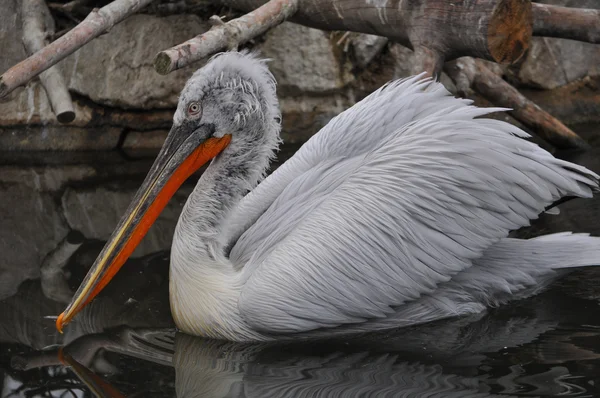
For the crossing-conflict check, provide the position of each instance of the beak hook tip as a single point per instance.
(59, 323)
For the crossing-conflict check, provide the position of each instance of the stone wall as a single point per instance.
(121, 101)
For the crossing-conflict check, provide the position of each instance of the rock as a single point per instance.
(152, 139)
(26, 105)
(574, 103)
(303, 60)
(96, 211)
(116, 69)
(30, 105)
(303, 115)
(58, 138)
(46, 178)
(552, 63)
(31, 227)
(404, 59)
(366, 48)
(10, 34)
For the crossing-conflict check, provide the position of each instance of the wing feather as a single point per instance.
(382, 112)
(355, 229)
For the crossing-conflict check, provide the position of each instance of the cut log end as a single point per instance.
(163, 63)
(66, 117)
(510, 30)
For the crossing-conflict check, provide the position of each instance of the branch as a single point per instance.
(37, 26)
(497, 30)
(471, 73)
(569, 23)
(97, 22)
(228, 35)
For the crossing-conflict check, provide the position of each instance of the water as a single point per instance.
(125, 343)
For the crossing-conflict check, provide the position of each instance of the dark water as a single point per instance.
(58, 209)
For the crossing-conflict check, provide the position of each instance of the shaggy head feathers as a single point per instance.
(236, 91)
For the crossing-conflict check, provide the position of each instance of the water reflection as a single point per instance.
(209, 368)
(139, 298)
(535, 348)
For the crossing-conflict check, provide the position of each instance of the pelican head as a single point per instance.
(227, 106)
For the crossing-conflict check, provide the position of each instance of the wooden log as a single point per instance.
(38, 25)
(97, 22)
(569, 23)
(496, 30)
(225, 35)
(471, 73)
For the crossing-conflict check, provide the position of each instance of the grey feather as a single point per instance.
(348, 239)
(395, 213)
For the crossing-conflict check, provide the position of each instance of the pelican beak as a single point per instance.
(186, 149)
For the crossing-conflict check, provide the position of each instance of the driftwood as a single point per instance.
(471, 73)
(496, 30)
(97, 22)
(569, 23)
(37, 26)
(225, 35)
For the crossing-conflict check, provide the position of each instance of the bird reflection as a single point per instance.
(449, 358)
(27, 317)
(443, 359)
(213, 368)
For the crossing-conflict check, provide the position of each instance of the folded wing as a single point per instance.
(352, 236)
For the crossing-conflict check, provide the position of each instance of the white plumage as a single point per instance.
(395, 213)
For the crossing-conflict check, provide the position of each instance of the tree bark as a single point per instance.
(496, 30)
(97, 22)
(38, 25)
(580, 24)
(225, 36)
(471, 73)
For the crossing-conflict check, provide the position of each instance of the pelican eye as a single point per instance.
(194, 109)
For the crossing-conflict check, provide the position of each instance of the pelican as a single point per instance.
(396, 213)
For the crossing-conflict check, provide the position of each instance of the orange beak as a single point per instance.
(183, 153)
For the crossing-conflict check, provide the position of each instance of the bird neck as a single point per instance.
(230, 176)
(204, 284)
